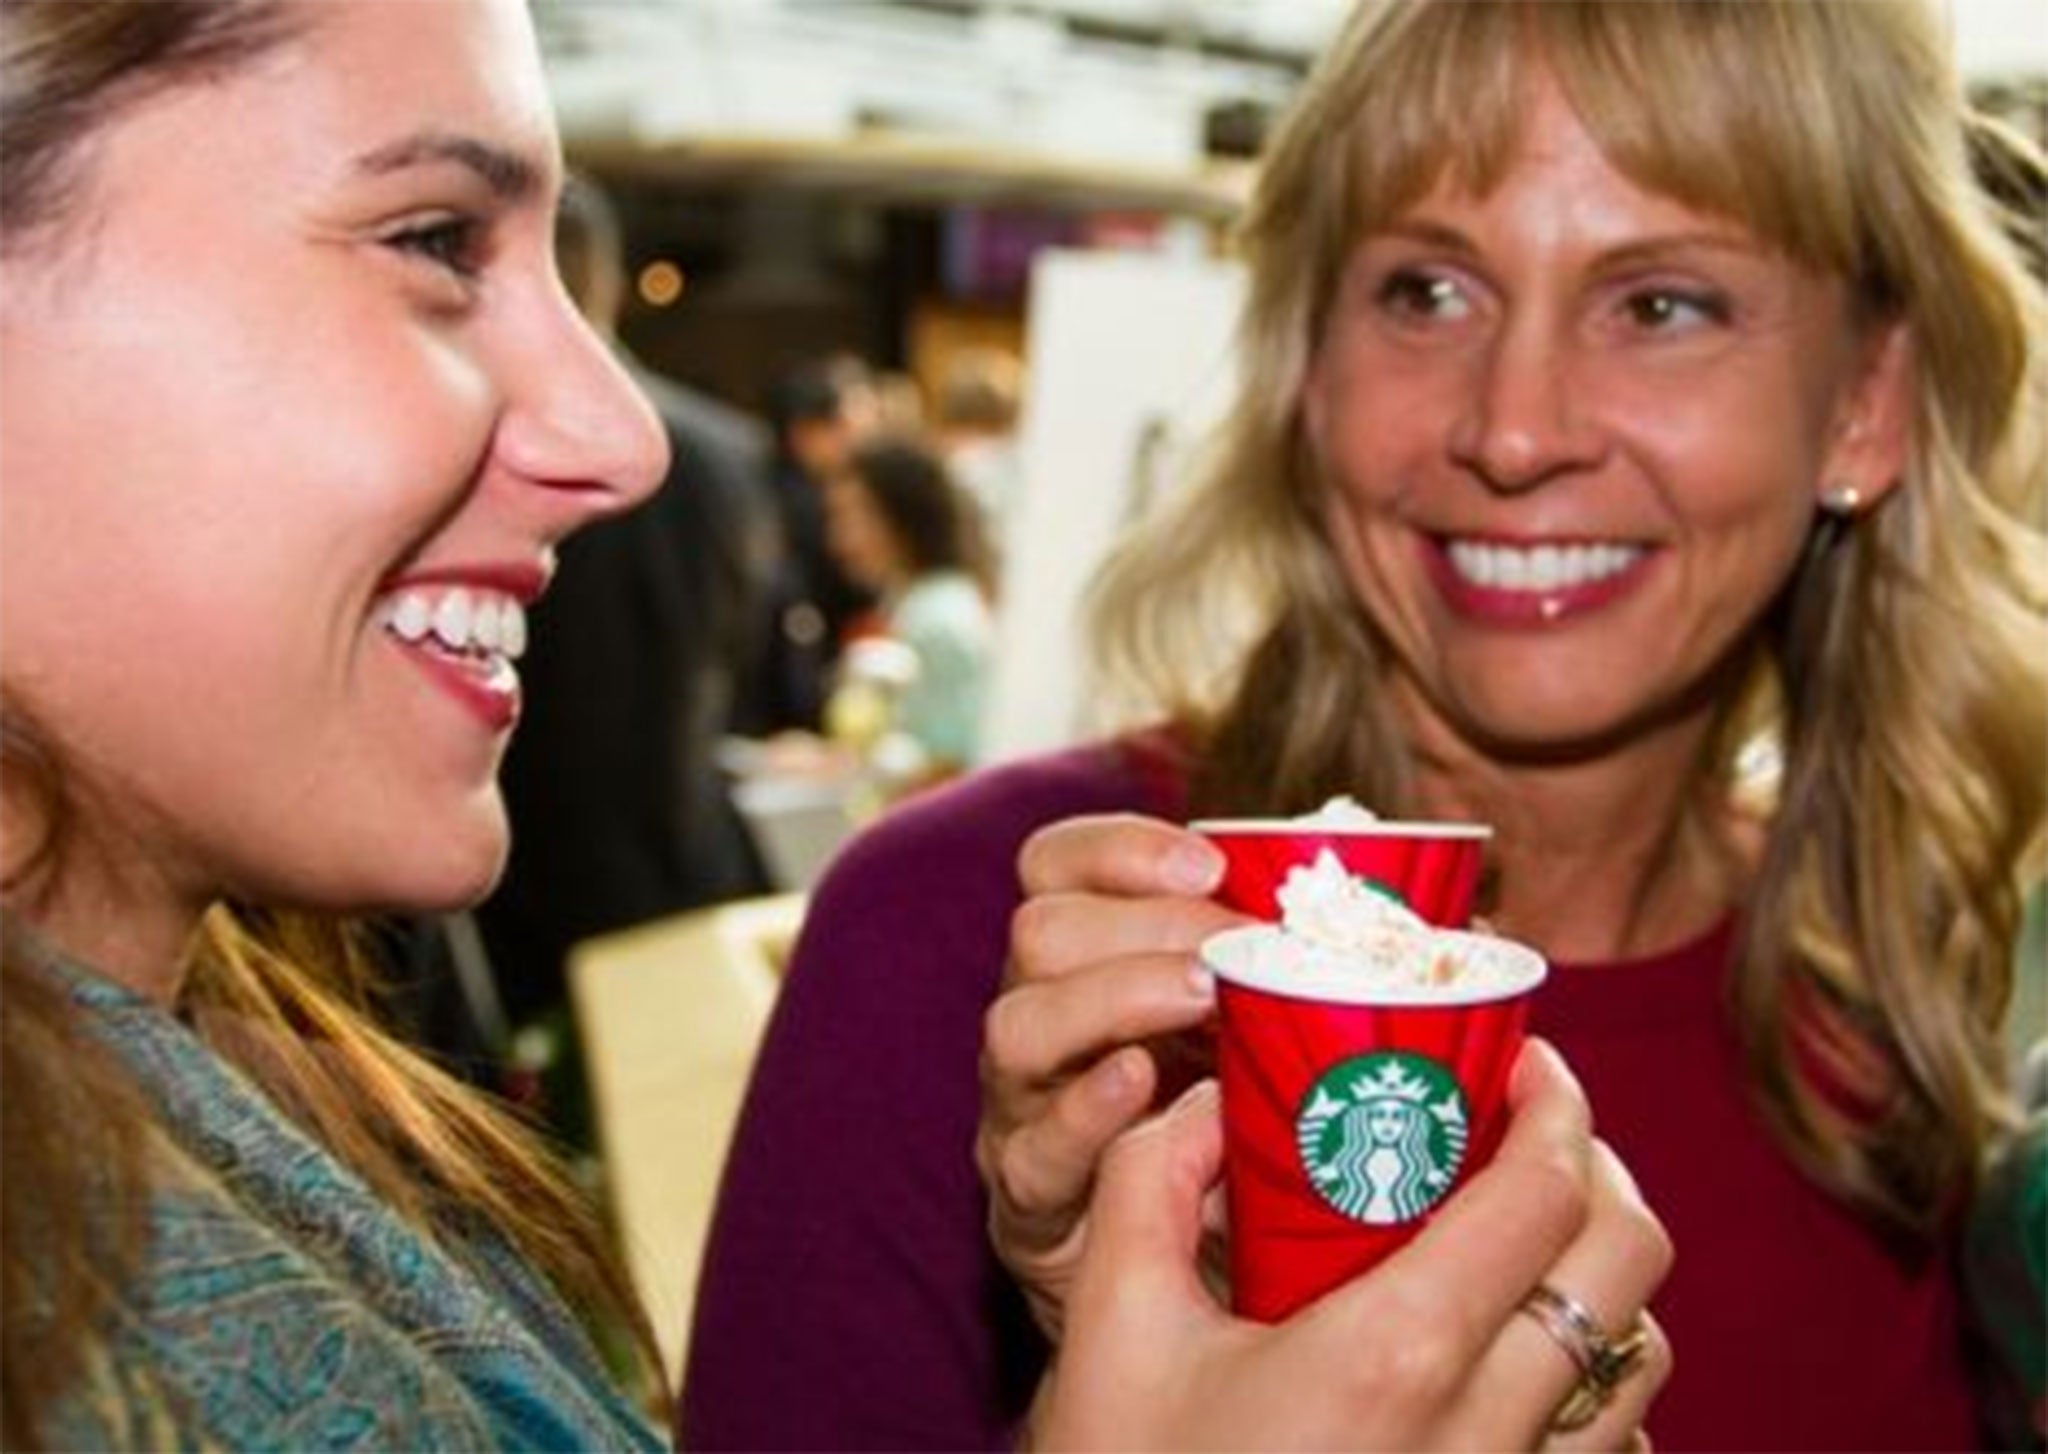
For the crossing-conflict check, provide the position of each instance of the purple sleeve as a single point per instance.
(849, 1299)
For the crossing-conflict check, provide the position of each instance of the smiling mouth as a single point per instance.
(483, 631)
(1493, 566)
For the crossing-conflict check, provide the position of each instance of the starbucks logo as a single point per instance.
(1382, 1136)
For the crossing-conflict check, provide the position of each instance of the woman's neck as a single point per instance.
(124, 921)
(1606, 859)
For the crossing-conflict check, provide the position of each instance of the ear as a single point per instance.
(1873, 429)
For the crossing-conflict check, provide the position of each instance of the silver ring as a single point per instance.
(1603, 1362)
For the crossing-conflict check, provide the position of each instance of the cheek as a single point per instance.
(249, 549)
(389, 424)
(1376, 555)
(1744, 555)
(359, 422)
(127, 517)
(1375, 449)
(1373, 446)
(1733, 437)
(1741, 495)
(1378, 422)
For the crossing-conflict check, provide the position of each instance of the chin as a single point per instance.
(1530, 734)
(476, 879)
(462, 870)
(474, 888)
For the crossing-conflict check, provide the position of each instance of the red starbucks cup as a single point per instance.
(1353, 1107)
(1431, 867)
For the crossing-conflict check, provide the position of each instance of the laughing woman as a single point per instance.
(295, 413)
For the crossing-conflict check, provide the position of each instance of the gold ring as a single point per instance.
(1603, 1362)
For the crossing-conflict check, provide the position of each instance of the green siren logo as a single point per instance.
(1385, 890)
(1382, 1136)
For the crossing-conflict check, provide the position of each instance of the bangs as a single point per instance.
(1722, 105)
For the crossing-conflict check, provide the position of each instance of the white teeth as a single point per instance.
(483, 626)
(411, 616)
(511, 629)
(484, 623)
(452, 619)
(1541, 568)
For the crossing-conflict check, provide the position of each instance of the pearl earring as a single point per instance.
(1841, 500)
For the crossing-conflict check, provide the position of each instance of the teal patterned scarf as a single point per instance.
(282, 1305)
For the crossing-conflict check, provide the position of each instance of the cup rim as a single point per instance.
(1303, 828)
(1324, 984)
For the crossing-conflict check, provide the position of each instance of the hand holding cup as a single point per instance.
(1103, 1010)
(1432, 1350)
(1364, 1050)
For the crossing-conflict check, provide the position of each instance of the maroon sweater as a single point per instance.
(849, 1300)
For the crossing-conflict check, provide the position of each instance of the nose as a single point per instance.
(577, 424)
(1523, 423)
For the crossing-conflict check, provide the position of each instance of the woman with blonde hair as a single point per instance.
(1640, 450)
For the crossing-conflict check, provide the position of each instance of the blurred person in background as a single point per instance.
(899, 404)
(900, 526)
(974, 421)
(817, 410)
(620, 812)
(1639, 449)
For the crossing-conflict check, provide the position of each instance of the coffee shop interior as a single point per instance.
(865, 249)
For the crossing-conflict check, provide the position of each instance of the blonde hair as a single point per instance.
(1901, 681)
(285, 998)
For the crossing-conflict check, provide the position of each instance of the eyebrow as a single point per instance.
(508, 175)
(1430, 234)
(1644, 250)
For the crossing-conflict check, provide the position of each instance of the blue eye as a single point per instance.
(453, 244)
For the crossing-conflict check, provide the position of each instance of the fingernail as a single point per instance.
(1202, 982)
(1118, 1076)
(1193, 866)
(1202, 1093)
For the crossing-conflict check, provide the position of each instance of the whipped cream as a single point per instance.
(1342, 811)
(1341, 937)
(1323, 907)
(1339, 815)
